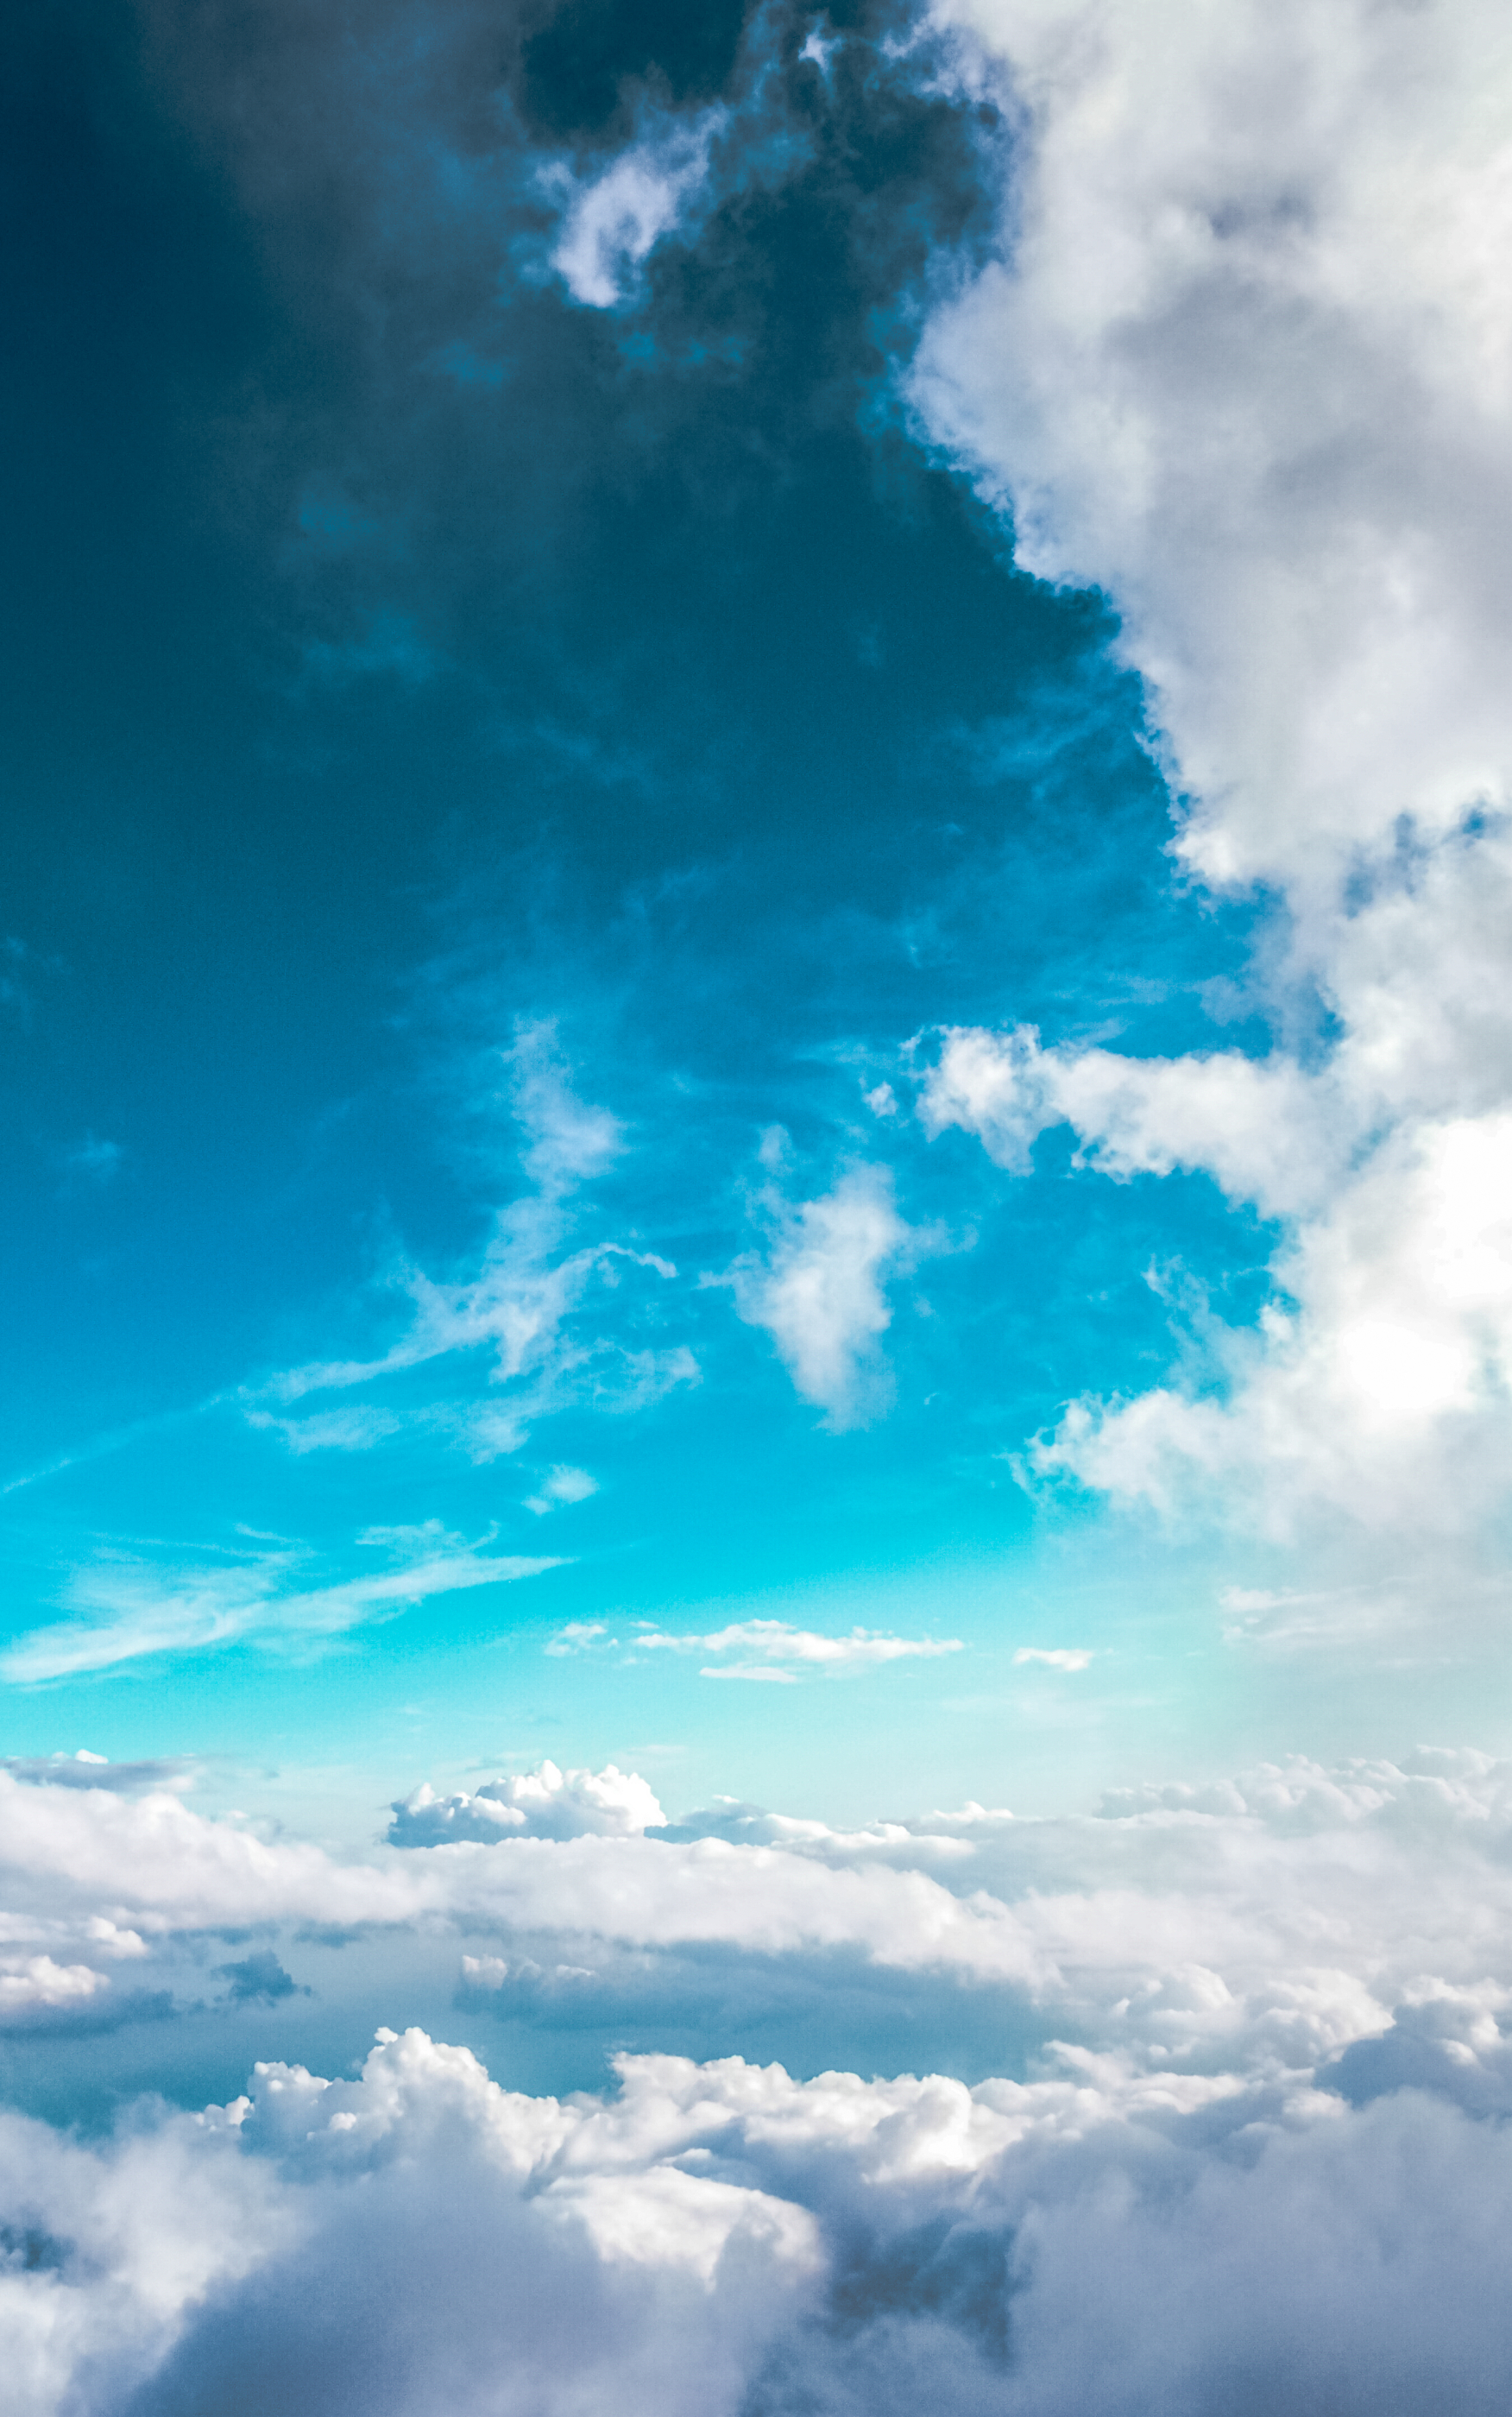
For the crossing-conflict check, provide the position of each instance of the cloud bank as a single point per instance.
(1258, 2159)
(1245, 363)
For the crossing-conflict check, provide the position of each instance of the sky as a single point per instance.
(758, 1124)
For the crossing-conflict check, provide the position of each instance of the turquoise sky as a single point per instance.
(511, 786)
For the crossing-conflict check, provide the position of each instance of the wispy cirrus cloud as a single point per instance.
(769, 1649)
(524, 1304)
(128, 1608)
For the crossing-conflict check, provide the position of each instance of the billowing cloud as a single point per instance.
(1243, 363)
(542, 1803)
(1256, 2149)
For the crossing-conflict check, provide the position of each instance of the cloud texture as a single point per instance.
(1245, 363)
(1264, 2165)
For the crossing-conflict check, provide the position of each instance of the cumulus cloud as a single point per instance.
(727, 2237)
(1255, 2159)
(541, 1803)
(1242, 362)
(1251, 1928)
(820, 1290)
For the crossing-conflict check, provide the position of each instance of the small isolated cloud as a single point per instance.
(1054, 1657)
(259, 1980)
(575, 1637)
(546, 1803)
(562, 1484)
(356, 1429)
(92, 1163)
(820, 1290)
(612, 225)
(763, 1647)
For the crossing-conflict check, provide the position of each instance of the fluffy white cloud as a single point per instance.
(1247, 1929)
(718, 2237)
(1248, 364)
(1245, 363)
(1262, 1129)
(542, 1803)
(820, 1290)
(1259, 2152)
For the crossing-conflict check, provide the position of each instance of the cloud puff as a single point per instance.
(820, 1290)
(541, 1803)
(560, 1485)
(612, 224)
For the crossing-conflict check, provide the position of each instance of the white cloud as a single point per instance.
(28, 1980)
(521, 1301)
(134, 1609)
(613, 224)
(1055, 1657)
(725, 2236)
(1245, 363)
(352, 1430)
(541, 1803)
(562, 1484)
(1262, 1129)
(764, 1642)
(820, 1290)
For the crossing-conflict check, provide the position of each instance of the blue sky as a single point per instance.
(482, 677)
(757, 1124)
(617, 701)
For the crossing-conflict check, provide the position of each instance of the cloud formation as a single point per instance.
(133, 1608)
(612, 222)
(820, 1290)
(520, 1303)
(541, 1803)
(765, 1647)
(1257, 2149)
(1242, 363)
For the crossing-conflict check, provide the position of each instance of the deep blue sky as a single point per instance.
(404, 656)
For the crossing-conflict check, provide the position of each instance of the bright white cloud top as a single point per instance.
(1245, 364)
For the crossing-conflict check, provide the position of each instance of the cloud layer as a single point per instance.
(1263, 2166)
